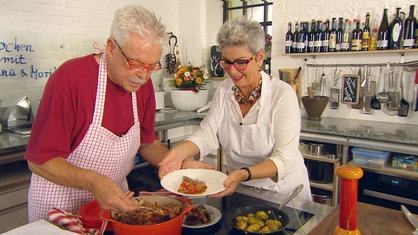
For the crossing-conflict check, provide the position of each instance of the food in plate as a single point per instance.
(192, 186)
(148, 214)
(198, 215)
(257, 222)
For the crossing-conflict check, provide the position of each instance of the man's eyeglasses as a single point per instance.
(137, 65)
(239, 64)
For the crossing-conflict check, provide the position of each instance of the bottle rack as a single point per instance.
(411, 64)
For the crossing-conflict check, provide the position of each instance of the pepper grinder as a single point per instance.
(349, 176)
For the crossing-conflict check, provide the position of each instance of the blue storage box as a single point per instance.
(375, 158)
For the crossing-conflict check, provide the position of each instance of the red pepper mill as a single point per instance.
(349, 176)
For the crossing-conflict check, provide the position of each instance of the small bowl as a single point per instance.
(187, 100)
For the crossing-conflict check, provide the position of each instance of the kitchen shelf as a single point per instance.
(333, 186)
(328, 187)
(401, 51)
(387, 170)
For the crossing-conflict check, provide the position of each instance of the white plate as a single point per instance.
(215, 216)
(213, 179)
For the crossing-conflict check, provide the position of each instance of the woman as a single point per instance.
(253, 116)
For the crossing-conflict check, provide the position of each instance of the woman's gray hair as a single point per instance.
(135, 19)
(242, 32)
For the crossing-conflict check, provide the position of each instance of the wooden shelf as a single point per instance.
(402, 52)
(387, 170)
(328, 187)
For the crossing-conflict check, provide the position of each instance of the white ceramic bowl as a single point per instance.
(186, 100)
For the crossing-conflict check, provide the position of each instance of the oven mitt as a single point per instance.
(66, 220)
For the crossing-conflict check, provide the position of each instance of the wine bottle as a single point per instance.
(396, 31)
(301, 38)
(356, 37)
(306, 37)
(312, 37)
(366, 34)
(339, 35)
(345, 44)
(319, 36)
(325, 37)
(295, 37)
(333, 35)
(383, 33)
(289, 39)
(409, 29)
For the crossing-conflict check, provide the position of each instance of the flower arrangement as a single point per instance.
(268, 41)
(189, 77)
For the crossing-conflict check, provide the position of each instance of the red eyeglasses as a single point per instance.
(135, 65)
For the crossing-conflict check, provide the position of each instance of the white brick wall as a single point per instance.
(63, 29)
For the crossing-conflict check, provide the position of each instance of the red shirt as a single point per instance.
(66, 110)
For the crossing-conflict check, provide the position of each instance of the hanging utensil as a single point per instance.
(334, 100)
(383, 96)
(416, 91)
(374, 102)
(315, 84)
(323, 84)
(404, 105)
(170, 58)
(367, 96)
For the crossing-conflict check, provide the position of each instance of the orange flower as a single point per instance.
(179, 81)
(198, 80)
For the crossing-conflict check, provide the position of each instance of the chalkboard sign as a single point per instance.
(215, 55)
(350, 90)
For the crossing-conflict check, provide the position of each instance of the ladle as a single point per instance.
(383, 96)
(374, 102)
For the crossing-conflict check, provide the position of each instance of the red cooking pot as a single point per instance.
(171, 227)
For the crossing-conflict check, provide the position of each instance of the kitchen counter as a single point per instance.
(335, 128)
(371, 220)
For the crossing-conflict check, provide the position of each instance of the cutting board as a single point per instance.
(371, 220)
(289, 76)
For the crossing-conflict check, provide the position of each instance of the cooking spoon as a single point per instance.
(404, 105)
(383, 96)
(293, 194)
(374, 102)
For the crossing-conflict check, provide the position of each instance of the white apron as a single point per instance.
(100, 151)
(248, 145)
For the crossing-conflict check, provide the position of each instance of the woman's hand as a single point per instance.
(231, 183)
(171, 162)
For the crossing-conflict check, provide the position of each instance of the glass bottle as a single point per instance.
(319, 36)
(366, 34)
(295, 37)
(312, 37)
(289, 39)
(345, 44)
(396, 31)
(339, 34)
(356, 36)
(409, 30)
(325, 37)
(333, 35)
(301, 38)
(373, 40)
(383, 33)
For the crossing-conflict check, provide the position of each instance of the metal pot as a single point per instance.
(171, 227)
(316, 148)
